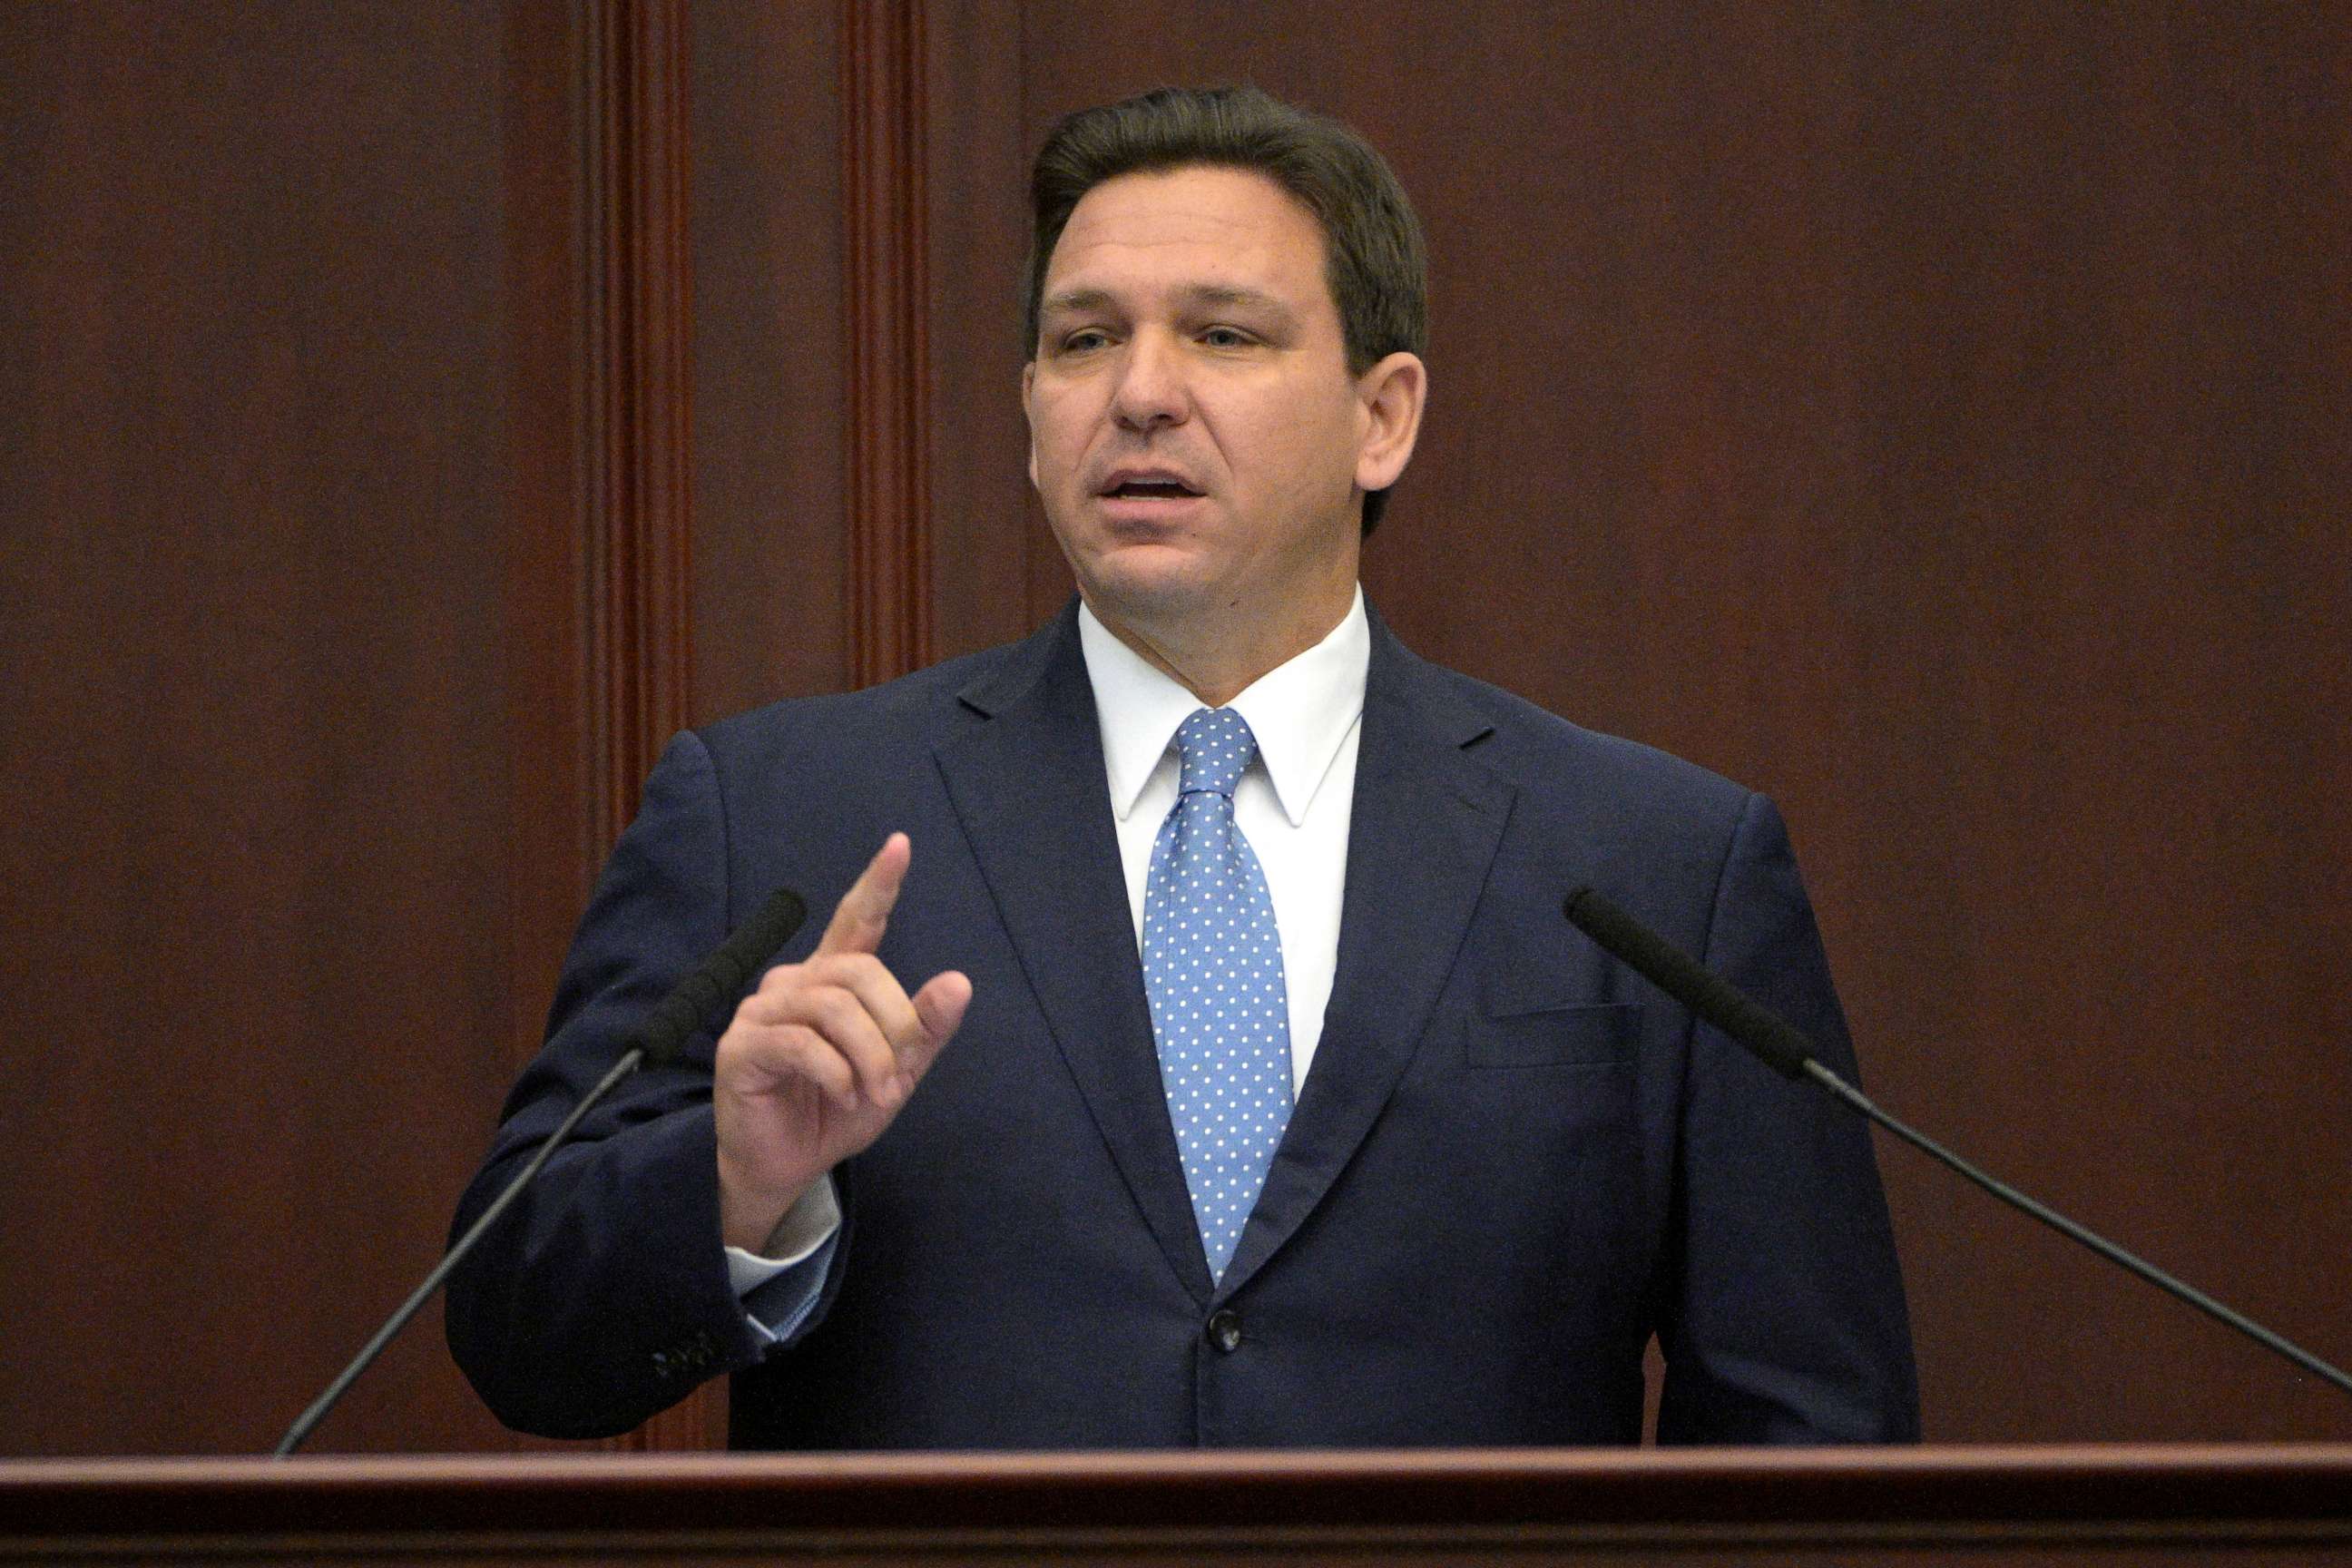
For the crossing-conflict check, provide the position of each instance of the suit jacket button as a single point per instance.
(1225, 1329)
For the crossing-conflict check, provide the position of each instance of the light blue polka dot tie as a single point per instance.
(1212, 970)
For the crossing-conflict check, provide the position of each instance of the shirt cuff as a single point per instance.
(806, 1226)
(780, 1285)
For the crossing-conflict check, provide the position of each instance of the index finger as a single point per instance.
(864, 912)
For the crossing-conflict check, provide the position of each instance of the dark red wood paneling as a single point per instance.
(637, 511)
(771, 560)
(996, 572)
(255, 850)
(349, 535)
(886, 432)
(559, 830)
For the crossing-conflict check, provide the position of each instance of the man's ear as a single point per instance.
(1028, 385)
(1390, 396)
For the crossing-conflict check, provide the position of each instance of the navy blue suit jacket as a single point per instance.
(1511, 1164)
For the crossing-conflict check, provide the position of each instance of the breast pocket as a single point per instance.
(1523, 1036)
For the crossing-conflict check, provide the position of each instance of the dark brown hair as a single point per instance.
(1374, 259)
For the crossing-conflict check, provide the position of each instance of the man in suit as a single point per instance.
(1202, 1058)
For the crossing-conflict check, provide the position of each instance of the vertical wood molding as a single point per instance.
(638, 508)
(637, 502)
(886, 364)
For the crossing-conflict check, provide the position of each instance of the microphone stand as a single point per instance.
(696, 998)
(1787, 1051)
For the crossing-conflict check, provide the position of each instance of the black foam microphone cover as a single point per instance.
(1781, 1044)
(701, 994)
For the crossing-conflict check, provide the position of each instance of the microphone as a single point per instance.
(693, 1002)
(700, 994)
(1782, 1045)
(1785, 1048)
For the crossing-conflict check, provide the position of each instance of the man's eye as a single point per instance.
(1080, 341)
(1225, 338)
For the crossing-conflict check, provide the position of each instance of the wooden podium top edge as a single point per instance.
(2299, 1487)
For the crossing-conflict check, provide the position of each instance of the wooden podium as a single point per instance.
(2273, 1505)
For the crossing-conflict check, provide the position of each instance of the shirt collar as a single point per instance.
(1300, 711)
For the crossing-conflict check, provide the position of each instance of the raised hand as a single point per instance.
(819, 1059)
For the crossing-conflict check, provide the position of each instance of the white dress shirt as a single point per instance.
(1293, 804)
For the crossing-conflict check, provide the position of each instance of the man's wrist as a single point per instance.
(803, 1232)
(748, 1217)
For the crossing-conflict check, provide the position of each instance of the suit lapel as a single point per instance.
(1426, 822)
(1028, 787)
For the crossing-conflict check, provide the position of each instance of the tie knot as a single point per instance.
(1216, 747)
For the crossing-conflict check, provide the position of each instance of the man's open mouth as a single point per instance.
(1152, 490)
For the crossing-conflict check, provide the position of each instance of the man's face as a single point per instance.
(1193, 431)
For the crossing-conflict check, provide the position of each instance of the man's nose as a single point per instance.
(1150, 389)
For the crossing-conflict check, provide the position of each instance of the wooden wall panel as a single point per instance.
(635, 413)
(2105, 434)
(885, 222)
(559, 830)
(254, 851)
(771, 560)
(996, 571)
(346, 542)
